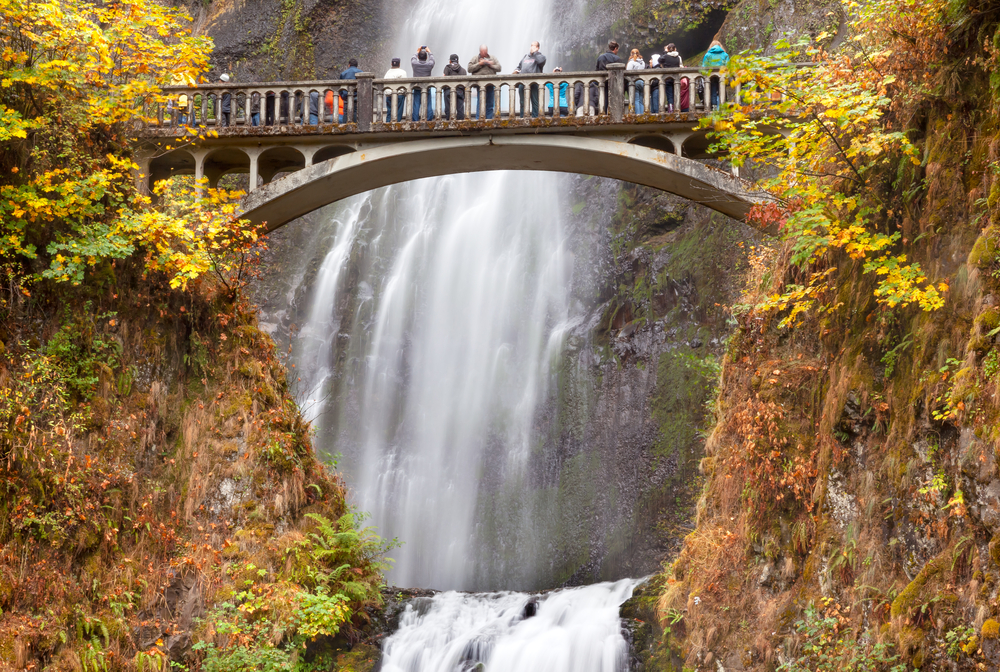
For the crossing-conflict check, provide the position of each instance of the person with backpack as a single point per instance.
(454, 69)
(715, 57)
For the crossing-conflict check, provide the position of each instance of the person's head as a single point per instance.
(670, 48)
(635, 55)
(422, 55)
(535, 46)
(613, 47)
(484, 51)
(557, 69)
(715, 43)
(453, 58)
(223, 77)
(353, 62)
(395, 62)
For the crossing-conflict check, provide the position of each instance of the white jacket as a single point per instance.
(395, 73)
(637, 64)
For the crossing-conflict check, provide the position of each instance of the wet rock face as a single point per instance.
(755, 24)
(275, 40)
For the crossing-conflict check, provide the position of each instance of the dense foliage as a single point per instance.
(822, 125)
(75, 78)
(160, 503)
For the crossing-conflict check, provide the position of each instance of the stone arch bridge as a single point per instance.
(308, 144)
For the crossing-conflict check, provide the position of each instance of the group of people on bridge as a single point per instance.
(422, 64)
(534, 61)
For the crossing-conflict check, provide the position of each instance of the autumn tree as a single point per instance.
(74, 79)
(822, 124)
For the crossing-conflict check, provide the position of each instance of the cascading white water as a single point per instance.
(572, 630)
(458, 316)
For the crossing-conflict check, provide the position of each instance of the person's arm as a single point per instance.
(540, 60)
(494, 63)
(474, 66)
(430, 59)
(414, 60)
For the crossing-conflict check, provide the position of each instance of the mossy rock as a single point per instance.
(911, 645)
(994, 548)
(912, 595)
(990, 629)
(361, 658)
(984, 252)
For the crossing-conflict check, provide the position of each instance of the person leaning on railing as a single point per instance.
(454, 69)
(226, 108)
(610, 56)
(532, 62)
(423, 64)
(636, 62)
(672, 59)
(563, 88)
(351, 73)
(395, 72)
(484, 64)
(715, 57)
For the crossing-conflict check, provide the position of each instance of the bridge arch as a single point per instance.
(331, 152)
(175, 162)
(323, 183)
(280, 159)
(655, 141)
(225, 160)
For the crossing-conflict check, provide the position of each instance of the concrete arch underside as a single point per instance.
(302, 192)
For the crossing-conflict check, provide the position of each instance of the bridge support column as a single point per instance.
(199, 169)
(308, 152)
(365, 100)
(677, 140)
(254, 155)
(616, 91)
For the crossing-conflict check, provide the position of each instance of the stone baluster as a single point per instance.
(366, 106)
(616, 91)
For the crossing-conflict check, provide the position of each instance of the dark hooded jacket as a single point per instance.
(607, 57)
(454, 70)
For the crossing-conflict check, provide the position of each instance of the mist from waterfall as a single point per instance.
(435, 321)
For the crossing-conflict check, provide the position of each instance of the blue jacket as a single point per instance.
(349, 74)
(563, 86)
(716, 57)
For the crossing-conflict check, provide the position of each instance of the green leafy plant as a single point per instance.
(828, 645)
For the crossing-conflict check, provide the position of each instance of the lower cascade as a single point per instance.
(568, 630)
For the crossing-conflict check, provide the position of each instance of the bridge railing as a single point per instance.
(373, 103)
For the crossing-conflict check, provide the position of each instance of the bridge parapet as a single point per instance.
(373, 104)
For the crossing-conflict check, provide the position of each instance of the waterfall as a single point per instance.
(572, 630)
(436, 320)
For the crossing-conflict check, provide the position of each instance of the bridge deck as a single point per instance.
(601, 123)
